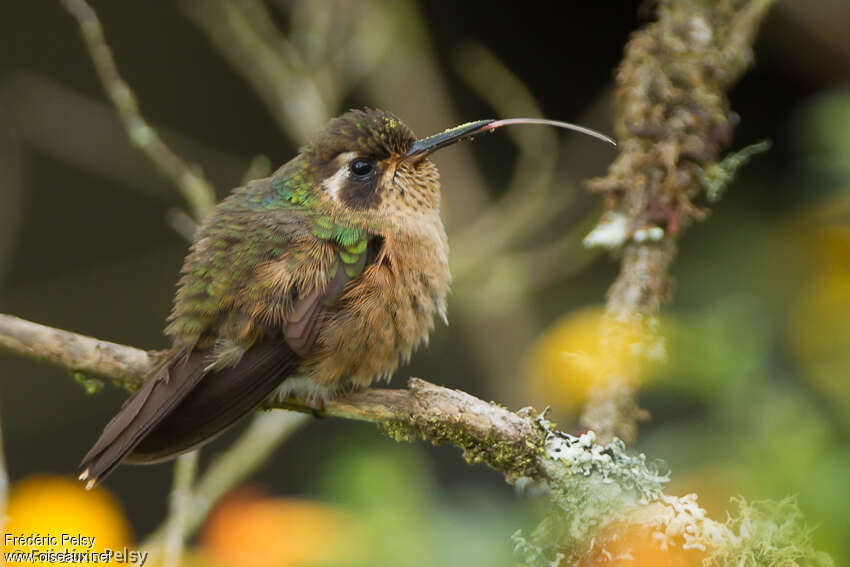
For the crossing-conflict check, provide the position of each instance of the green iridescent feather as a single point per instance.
(258, 223)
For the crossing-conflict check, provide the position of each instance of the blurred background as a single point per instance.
(754, 400)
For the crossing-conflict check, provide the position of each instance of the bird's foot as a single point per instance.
(316, 403)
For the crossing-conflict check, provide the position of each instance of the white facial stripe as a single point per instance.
(334, 183)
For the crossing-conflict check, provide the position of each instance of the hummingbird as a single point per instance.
(320, 279)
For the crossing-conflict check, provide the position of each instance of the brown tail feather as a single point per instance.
(220, 400)
(182, 407)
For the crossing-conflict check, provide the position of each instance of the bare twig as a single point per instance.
(37, 111)
(181, 223)
(231, 467)
(292, 97)
(180, 506)
(197, 190)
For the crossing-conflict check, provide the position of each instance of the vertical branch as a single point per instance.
(672, 120)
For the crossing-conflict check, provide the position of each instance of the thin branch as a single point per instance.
(180, 506)
(292, 97)
(240, 460)
(195, 188)
(181, 223)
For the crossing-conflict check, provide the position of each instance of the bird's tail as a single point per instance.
(182, 406)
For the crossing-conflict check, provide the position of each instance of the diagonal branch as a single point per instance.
(195, 188)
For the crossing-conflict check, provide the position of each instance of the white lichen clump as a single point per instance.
(611, 463)
(649, 234)
(612, 231)
(675, 521)
(599, 490)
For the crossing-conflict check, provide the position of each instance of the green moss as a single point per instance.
(514, 459)
(398, 431)
(90, 385)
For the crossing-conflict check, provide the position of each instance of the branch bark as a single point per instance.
(425, 410)
(126, 366)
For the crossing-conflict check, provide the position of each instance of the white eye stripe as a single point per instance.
(334, 183)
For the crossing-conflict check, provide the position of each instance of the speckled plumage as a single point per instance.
(316, 277)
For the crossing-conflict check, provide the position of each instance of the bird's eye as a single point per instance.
(361, 168)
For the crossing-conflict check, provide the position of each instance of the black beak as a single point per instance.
(421, 148)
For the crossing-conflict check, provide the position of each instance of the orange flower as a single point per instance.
(636, 547)
(250, 530)
(51, 514)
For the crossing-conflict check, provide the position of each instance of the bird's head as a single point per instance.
(370, 162)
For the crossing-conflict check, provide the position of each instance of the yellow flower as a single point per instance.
(819, 325)
(51, 514)
(583, 350)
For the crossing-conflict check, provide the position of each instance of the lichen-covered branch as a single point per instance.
(195, 188)
(594, 487)
(672, 120)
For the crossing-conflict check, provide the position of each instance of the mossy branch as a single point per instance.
(594, 486)
(486, 432)
(672, 119)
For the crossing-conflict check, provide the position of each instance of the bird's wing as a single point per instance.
(258, 283)
(220, 399)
